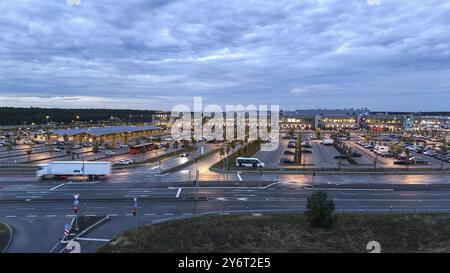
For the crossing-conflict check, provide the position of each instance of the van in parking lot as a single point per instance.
(249, 162)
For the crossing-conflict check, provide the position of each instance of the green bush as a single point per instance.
(320, 210)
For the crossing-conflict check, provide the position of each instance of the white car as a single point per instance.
(109, 152)
(122, 162)
(131, 160)
(57, 150)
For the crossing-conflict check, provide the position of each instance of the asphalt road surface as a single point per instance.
(38, 210)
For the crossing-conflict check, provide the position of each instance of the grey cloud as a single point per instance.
(346, 53)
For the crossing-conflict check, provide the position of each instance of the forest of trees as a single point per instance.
(19, 116)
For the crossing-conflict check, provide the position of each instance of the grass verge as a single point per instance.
(248, 150)
(4, 237)
(289, 233)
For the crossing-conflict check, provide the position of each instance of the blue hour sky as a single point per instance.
(391, 55)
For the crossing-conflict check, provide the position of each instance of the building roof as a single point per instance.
(100, 131)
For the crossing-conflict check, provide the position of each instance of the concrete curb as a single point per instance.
(190, 162)
(231, 187)
(343, 171)
(10, 238)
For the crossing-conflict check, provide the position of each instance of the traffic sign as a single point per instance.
(66, 229)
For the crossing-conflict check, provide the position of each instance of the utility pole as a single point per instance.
(135, 211)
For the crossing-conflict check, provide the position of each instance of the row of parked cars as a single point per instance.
(289, 154)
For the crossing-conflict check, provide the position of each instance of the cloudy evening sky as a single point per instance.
(148, 54)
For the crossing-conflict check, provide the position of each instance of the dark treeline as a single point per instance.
(19, 116)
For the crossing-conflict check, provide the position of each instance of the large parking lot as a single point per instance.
(364, 154)
(420, 153)
(67, 151)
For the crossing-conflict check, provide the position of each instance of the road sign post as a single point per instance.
(76, 203)
(66, 230)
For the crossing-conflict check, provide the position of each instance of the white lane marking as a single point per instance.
(91, 215)
(168, 214)
(52, 215)
(53, 248)
(149, 214)
(113, 214)
(239, 176)
(93, 239)
(11, 216)
(129, 214)
(56, 187)
(179, 192)
(31, 216)
(70, 215)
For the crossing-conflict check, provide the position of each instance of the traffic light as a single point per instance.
(75, 209)
(134, 212)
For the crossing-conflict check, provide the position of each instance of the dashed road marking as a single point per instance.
(239, 176)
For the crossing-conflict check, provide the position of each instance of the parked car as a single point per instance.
(287, 159)
(184, 154)
(122, 163)
(402, 162)
(109, 152)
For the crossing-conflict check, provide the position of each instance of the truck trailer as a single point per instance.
(61, 169)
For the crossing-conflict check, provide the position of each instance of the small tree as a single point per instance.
(233, 145)
(320, 210)
(96, 148)
(444, 148)
(9, 148)
(291, 132)
(29, 152)
(318, 132)
(222, 151)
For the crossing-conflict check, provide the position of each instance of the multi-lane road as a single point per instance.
(38, 210)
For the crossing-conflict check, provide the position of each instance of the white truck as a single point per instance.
(327, 141)
(61, 169)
